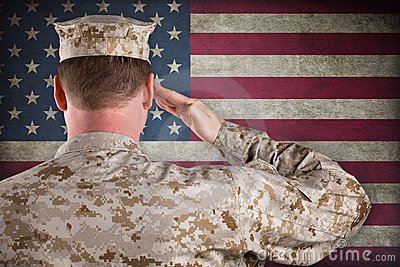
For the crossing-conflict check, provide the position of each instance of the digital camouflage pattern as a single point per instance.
(94, 35)
(102, 202)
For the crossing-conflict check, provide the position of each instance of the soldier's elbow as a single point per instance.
(359, 205)
(361, 212)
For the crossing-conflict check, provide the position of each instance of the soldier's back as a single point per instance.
(101, 201)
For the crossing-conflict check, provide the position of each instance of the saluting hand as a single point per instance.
(197, 116)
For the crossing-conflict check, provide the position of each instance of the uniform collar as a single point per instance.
(100, 140)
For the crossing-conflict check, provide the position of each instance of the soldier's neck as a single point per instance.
(119, 121)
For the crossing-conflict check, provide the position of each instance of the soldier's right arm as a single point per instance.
(296, 203)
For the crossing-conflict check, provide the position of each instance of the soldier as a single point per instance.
(102, 202)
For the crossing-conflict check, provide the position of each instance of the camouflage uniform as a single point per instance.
(102, 202)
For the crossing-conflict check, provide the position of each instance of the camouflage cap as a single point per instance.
(96, 35)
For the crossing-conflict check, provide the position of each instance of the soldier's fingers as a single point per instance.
(168, 108)
(169, 103)
(173, 97)
(158, 87)
(163, 104)
(161, 91)
(179, 99)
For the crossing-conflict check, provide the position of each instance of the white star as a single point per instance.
(158, 80)
(174, 34)
(1, 127)
(174, 6)
(65, 129)
(50, 19)
(174, 66)
(141, 132)
(32, 33)
(1, 32)
(15, 20)
(14, 51)
(68, 6)
(103, 6)
(32, 6)
(157, 51)
(49, 81)
(157, 19)
(32, 66)
(156, 113)
(50, 51)
(50, 113)
(14, 113)
(14, 81)
(32, 98)
(1, 70)
(32, 128)
(1, 97)
(174, 128)
(139, 6)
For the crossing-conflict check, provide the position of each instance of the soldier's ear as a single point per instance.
(59, 94)
(148, 92)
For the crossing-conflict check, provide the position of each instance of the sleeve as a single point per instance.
(296, 204)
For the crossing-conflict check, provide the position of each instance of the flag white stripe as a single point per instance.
(295, 66)
(376, 236)
(383, 193)
(294, 23)
(305, 108)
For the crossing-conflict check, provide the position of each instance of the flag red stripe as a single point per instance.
(294, 88)
(366, 172)
(384, 214)
(294, 6)
(323, 130)
(294, 44)
(373, 171)
(9, 168)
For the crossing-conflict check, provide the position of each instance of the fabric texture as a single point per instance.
(102, 35)
(102, 202)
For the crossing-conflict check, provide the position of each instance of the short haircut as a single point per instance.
(101, 82)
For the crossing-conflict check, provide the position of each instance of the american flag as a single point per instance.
(324, 74)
